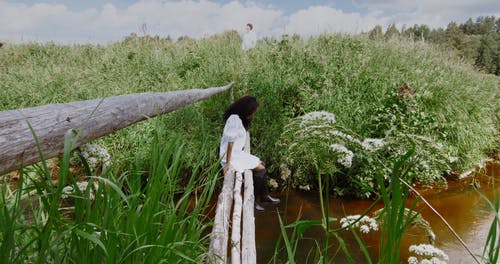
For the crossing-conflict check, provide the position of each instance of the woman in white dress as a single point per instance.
(238, 117)
(249, 38)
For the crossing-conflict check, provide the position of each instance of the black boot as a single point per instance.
(258, 207)
(260, 188)
(268, 199)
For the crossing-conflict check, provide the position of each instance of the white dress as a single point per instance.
(234, 131)
(249, 40)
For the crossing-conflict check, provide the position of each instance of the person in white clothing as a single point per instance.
(249, 38)
(238, 117)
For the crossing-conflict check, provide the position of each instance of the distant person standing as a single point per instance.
(249, 38)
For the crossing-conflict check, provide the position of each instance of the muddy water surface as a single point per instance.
(461, 205)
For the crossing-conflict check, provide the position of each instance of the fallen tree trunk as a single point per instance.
(90, 119)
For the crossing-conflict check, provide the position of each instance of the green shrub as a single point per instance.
(314, 143)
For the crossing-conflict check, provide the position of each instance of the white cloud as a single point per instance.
(431, 6)
(198, 18)
(323, 19)
(44, 22)
(431, 12)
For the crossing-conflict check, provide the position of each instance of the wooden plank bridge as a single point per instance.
(240, 203)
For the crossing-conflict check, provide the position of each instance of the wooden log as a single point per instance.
(248, 250)
(220, 231)
(91, 119)
(236, 223)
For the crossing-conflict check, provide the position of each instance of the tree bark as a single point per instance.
(90, 119)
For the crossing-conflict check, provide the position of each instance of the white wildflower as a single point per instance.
(65, 191)
(321, 115)
(82, 186)
(92, 161)
(429, 252)
(273, 183)
(413, 260)
(305, 187)
(364, 229)
(95, 155)
(284, 172)
(345, 156)
(435, 260)
(372, 144)
(365, 224)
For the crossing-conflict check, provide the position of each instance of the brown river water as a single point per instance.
(461, 205)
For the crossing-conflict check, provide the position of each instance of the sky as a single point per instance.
(105, 21)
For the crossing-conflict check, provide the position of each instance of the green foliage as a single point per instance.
(394, 216)
(477, 42)
(353, 77)
(313, 143)
(125, 219)
(391, 31)
(488, 57)
(491, 251)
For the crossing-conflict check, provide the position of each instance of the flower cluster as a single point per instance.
(344, 155)
(318, 115)
(365, 223)
(427, 254)
(273, 184)
(97, 157)
(284, 172)
(372, 144)
(82, 186)
(314, 143)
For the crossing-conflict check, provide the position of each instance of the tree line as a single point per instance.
(477, 41)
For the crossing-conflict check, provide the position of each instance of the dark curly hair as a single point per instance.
(243, 107)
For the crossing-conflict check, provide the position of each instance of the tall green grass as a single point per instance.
(350, 76)
(145, 215)
(491, 252)
(394, 216)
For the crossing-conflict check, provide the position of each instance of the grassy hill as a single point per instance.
(352, 77)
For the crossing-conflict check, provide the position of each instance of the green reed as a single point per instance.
(143, 215)
(491, 251)
(394, 219)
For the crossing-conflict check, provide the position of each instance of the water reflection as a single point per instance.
(461, 205)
